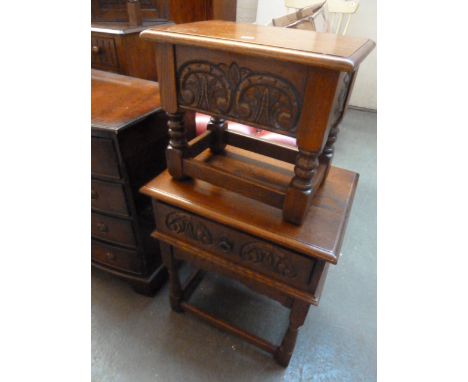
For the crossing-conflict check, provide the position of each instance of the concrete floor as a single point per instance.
(139, 339)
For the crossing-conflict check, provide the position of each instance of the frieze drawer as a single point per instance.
(108, 197)
(235, 246)
(112, 229)
(103, 52)
(120, 258)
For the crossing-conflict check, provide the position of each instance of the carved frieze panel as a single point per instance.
(237, 247)
(341, 100)
(261, 98)
(268, 256)
(181, 223)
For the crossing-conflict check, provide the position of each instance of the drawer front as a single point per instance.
(240, 248)
(115, 257)
(117, 230)
(108, 197)
(104, 160)
(103, 52)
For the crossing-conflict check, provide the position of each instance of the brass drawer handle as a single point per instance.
(96, 49)
(102, 227)
(110, 255)
(94, 194)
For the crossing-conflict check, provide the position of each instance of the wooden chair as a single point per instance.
(338, 12)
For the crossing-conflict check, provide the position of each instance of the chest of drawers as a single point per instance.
(128, 139)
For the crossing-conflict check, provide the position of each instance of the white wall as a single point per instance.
(363, 24)
(246, 11)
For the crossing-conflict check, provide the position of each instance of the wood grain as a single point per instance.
(292, 45)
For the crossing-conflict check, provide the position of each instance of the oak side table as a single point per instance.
(292, 82)
(217, 230)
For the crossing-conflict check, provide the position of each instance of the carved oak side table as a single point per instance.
(292, 82)
(203, 225)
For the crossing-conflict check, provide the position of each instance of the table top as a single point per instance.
(293, 45)
(119, 101)
(320, 236)
(122, 28)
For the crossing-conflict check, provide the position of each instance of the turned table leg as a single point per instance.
(296, 319)
(177, 149)
(175, 293)
(218, 127)
(300, 191)
(329, 149)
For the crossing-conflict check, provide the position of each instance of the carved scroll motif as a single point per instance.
(181, 223)
(261, 98)
(267, 255)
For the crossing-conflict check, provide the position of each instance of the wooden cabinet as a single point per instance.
(115, 42)
(128, 139)
(116, 47)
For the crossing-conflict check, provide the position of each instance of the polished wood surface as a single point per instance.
(320, 49)
(137, 97)
(321, 234)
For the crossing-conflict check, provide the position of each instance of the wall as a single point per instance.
(246, 11)
(363, 24)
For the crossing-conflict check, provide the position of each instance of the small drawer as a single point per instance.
(104, 160)
(238, 247)
(103, 52)
(117, 230)
(115, 257)
(108, 197)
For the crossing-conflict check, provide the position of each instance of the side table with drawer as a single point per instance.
(221, 231)
(128, 139)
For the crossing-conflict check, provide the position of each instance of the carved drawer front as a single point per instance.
(104, 160)
(240, 248)
(103, 52)
(108, 197)
(115, 257)
(116, 230)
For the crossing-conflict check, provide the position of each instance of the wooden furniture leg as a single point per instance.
(296, 319)
(176, 293)
(218, 128)
(329, 149)
(299, 193)
(177, 149)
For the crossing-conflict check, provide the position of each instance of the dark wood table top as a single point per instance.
(320, 235)
(118, 101)
(293, 45)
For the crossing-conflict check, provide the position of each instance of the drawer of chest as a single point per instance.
(235, 246)
(104, 161)
(119, 231)
(108, 197)
(115, 257)
(103, 52)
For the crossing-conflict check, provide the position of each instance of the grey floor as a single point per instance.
(135, 338)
